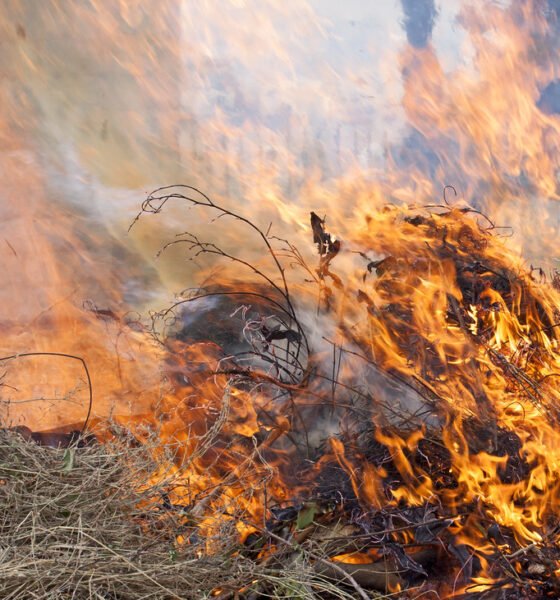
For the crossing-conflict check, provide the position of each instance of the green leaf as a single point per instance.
(292, 589)
(68, 460)
(306, 515)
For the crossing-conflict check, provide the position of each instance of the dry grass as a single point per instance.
(72, 526)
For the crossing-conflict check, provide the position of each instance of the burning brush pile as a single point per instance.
(386, 423)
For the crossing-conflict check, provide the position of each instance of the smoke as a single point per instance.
(280, 110)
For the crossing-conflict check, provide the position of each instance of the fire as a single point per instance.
(477, 389)
(417, 358)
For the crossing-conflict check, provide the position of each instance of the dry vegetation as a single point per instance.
(75, 525)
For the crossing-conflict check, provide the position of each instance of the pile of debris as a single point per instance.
(417, 454)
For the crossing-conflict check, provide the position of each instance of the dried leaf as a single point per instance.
(318, 227)
(536, 569)
(68, 460)
(383, 265)
(428, 533)
(283, 515)
(280, 334)
(495, 534)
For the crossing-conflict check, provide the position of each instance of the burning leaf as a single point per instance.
(326, 243)
(271, 335)
(319, 236)
(363, 297)
(404, 560)
(382, 266)
(328, 247)
(283, 515)
(465, 557)
(429, 532)
(495, 534)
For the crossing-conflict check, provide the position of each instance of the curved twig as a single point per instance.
(448, 187)
(155, 203)
(63, 355)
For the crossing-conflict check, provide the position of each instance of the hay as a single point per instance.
(75, 523)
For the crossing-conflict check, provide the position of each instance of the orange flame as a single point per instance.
(443, 326)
